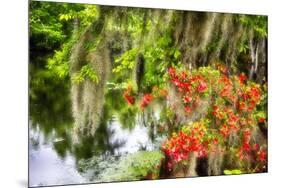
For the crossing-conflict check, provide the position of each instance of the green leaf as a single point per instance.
(236, 171)
(227, 172)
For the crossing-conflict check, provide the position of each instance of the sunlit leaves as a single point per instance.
(85, 14)
(45, 28)
(257, 23)
(126, 61)
(86, 72)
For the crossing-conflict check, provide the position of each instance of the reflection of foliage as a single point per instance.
(92, 168)
(45, 105)
(127, 116)
(115, 104)
(99, 144)
(64, 146)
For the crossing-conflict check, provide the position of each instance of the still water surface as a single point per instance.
(55, 152)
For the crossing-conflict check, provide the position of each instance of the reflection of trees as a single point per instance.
(99, 144)
(125, 113)
(49, 103)
(50, 110)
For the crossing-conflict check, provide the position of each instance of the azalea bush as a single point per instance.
(230, 123)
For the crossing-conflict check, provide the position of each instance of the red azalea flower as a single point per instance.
(187, 109)
(129, 99)
(256, 147)
(147, 98)
(246, 146)
(216, 141)
(242, 106)
(261, 120)
(242, 77)
(202, 86)
(262, 155)
(127, 95)
(187, 99)
(183, 75)
(172, 71)
(224, 130)
(247, 133)
(255, 92)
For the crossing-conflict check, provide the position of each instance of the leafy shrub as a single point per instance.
(136, 166)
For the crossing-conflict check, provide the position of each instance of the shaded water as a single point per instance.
(58, 155)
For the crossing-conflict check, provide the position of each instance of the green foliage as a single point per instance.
(158, 57)
(258, 23)
(45, 28)
(126, 61)
(208, 72)
(86, 72)
(243, 47)
(86, 14)
(135, 166)
(59, 64)
(232, 172)
(51, 28)
(146, 162)
(127, 116)
(260, 114)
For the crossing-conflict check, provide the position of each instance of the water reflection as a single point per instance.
(56, 150)
(46, 167)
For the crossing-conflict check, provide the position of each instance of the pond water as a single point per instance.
(58, 155)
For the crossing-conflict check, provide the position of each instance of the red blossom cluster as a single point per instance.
(157, 92)
(234, 100)
(250, 151)
(242, 77)
(128, 95)
(226, 89)
(250, 98)
(240, 99)
(180, 146)
(226, 120)
(147, 98)
(190, 86)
